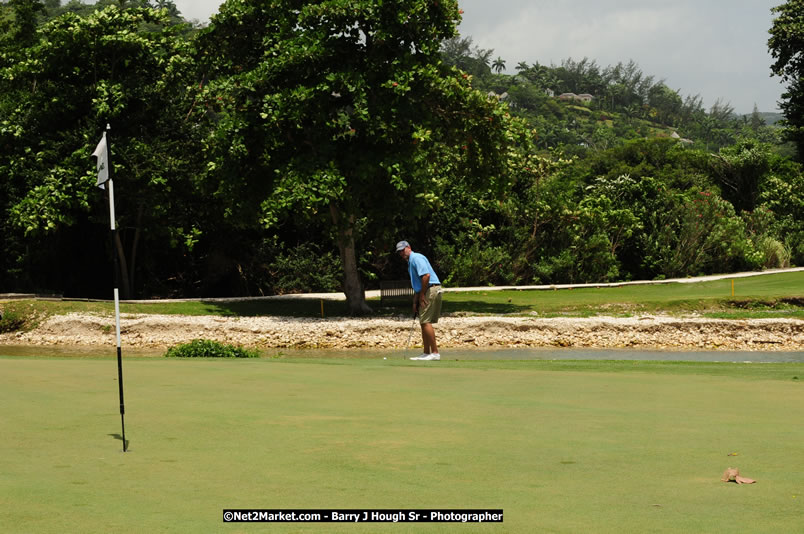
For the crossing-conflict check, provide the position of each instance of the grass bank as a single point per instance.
(773, 295)
(778, 295)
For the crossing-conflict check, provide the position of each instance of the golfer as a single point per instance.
(427, 297)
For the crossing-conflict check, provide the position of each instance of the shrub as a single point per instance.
(305, 269)
(698, 234)
(11, 321)
(775, 254)
(205, 348)
(479, 265)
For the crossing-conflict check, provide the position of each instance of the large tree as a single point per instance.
(343, 110)
(23, 13)
(58, 93)
(786, 45)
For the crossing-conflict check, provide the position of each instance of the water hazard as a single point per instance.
(568, 354)
(497, 354)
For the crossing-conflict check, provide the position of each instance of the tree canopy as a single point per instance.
(786, 45)
(343, 110)
(77, 75)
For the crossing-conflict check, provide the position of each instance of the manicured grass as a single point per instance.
(560, 446)
(773, 295)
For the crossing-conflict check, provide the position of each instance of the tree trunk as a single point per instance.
(134, 247)
(352, 286)
(121, 256)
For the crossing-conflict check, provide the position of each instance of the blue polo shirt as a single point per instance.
(418, 266)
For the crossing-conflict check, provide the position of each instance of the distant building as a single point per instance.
(503, 97)
(567, 97)
(682, 140)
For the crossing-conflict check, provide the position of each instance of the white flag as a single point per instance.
(102, 153)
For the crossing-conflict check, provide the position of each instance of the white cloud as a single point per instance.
(200, 10)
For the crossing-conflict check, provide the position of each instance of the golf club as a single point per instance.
(410, 334)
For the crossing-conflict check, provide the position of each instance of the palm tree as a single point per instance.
(498, 65)
(484, 56)
(170, 5)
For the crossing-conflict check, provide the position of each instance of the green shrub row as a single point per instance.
(206, 348)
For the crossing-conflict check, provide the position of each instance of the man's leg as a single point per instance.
(429, 339)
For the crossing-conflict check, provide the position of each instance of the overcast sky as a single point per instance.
(715, 48)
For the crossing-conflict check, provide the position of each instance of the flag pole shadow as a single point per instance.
(120, 437)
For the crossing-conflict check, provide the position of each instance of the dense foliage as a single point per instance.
(287, 146)
(786, 45)
(75, 76)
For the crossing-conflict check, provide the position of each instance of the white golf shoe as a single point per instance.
(428, 357)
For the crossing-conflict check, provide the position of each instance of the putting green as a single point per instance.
(562, 451)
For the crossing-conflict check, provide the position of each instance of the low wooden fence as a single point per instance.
(395, 292)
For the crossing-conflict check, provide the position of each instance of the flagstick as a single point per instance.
(116, 295)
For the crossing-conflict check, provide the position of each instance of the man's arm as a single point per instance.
(424, 291)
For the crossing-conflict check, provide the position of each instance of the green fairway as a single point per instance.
(559, 447)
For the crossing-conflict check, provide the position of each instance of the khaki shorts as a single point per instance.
(431, 312)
